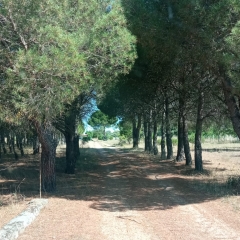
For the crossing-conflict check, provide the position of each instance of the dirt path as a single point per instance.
(128, 198)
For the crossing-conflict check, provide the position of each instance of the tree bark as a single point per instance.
(145, 129)
(198, 134)
(72, 152)
(186, 143)
(155, 148)
(150, 132)
(3, 143)
(136, 127)
(0, 150)
(168, 131)
(233, 107)
(180, 150)
(72, 146)
(20, 144)
(48, 156)
(35, 144)
(13, 146)
(163, 138)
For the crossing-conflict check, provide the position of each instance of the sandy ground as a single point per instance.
(129, 196)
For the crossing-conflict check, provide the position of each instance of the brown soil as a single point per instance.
(122, 194)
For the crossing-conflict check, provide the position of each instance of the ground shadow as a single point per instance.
(118, 180)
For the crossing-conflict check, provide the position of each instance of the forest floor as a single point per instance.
(121, 194)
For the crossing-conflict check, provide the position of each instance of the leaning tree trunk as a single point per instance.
(186, 143)
(168, 131)
(180, 149)
(198, 134)
(48, 156)
(136, 127)
(163, 139)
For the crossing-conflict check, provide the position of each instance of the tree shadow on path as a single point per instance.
(116, 180)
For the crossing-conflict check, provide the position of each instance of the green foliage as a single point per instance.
(122, 140)
(86, 139)
(100, 120)
(126, 129)
(80, 128)
(174, 141)
(52, 51)
(90, 134)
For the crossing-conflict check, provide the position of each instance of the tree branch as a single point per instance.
(16, 31)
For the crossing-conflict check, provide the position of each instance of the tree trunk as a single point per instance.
(48, 156)
(180, 150)
(3, 143)
(150, 132)
(231, 102)
(13, 146)
(198, 134)
(0, 150)
(136, 130)
(163, 136)
(35, 144)
(145, 128)
(72, 152)
(72, 146)
(20, 144)
(76, 147)
(155, 148)
(48, 175)
(9, 143)
(168, 132)
(186, 143)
